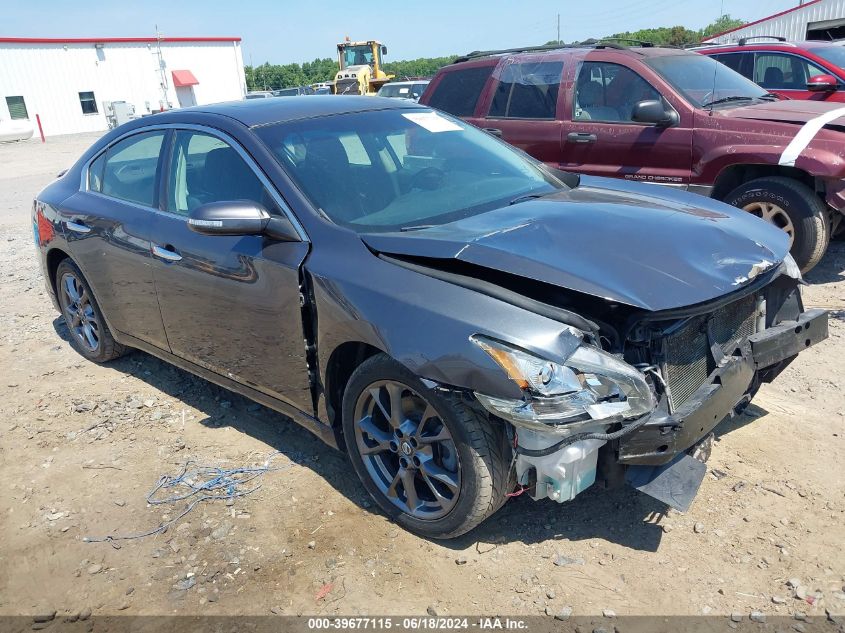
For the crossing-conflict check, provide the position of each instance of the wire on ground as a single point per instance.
(198, 484)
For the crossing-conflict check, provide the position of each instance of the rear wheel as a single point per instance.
(89, 334)
(792, 207)
(430, 460)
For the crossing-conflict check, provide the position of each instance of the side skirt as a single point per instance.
(322, 431)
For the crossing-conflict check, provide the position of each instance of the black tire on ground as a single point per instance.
(106, 348)
(806, 211)
(482, 445)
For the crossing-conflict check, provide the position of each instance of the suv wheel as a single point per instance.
(89, 334)
(791, 206)
(431, 461)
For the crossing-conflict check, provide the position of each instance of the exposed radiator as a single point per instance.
(688, 361)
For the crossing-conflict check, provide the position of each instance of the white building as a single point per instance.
(71, 83)
(811, 20)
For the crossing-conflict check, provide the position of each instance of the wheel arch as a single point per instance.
(55, 257)
(343, 361)
(733, 176)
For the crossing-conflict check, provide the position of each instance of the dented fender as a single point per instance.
(422, 322)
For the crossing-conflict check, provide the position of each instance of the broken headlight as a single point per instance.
(589, 385)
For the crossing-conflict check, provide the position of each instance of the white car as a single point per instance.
(15, 130)
(404, 89)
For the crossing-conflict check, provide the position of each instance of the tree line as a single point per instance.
(274, 76)
(673, 35)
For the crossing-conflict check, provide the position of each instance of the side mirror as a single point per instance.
(384, 51)
(822, 83)
(654, 112)
(241, 217)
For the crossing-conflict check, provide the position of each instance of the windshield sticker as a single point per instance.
(403, 91)
(806, 134)
(432, 122)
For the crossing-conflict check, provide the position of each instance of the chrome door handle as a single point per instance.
(166, 254)
(77, 227)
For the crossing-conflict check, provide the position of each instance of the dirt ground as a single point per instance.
(81, 445)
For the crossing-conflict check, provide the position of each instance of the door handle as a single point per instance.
(493, 131)
(167, 253)
(581, 137)
(77, 227)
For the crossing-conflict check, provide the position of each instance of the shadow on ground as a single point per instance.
(623, 516)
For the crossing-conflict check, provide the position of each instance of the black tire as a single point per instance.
(106, 347)
(806, 211)
(482, 446)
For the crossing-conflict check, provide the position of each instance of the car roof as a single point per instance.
(407, 82)
(774, 45)
(563, 52)
(257, 112)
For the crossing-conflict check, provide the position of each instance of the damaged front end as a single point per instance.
(635, 410)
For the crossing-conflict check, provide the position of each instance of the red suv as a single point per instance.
(794, 70)
(664, 116)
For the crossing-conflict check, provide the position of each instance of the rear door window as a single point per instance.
(740, 62)
(458, 90)
(129, 169)
(527, 91)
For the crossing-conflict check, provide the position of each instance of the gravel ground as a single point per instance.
(81, 445)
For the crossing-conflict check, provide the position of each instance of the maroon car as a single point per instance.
(793, 70)
(665, 116)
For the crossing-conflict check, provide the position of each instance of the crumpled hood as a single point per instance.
(650, 248)
(790, 111)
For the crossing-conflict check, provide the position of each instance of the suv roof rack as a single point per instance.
(642, 43)
(534, 49)
(744, 40)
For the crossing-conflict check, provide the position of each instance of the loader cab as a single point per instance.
(360, 54)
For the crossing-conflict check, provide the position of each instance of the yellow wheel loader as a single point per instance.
(360, 68)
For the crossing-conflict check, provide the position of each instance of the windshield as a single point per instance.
(391, 170)
(357, 55)
(704, 81)
(833, 54)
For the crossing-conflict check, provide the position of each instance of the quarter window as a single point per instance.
(88, 103)
(458, 90)
(609, 92)
(129, 169)
(527, 91)
(206, 169)
(17, 108)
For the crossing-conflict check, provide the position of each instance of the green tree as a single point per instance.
(723, 23)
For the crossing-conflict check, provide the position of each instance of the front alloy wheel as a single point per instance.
(407, 450)
(431, 459)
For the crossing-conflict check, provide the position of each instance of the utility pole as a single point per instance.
(558, 28)
(162, 73)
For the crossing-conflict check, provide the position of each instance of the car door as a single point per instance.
(600, 138)
(108, 223)
(523, 107)
(229, 303)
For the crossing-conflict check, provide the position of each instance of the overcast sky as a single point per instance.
(280, 31)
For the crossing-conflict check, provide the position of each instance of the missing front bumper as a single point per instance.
(726, 392)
